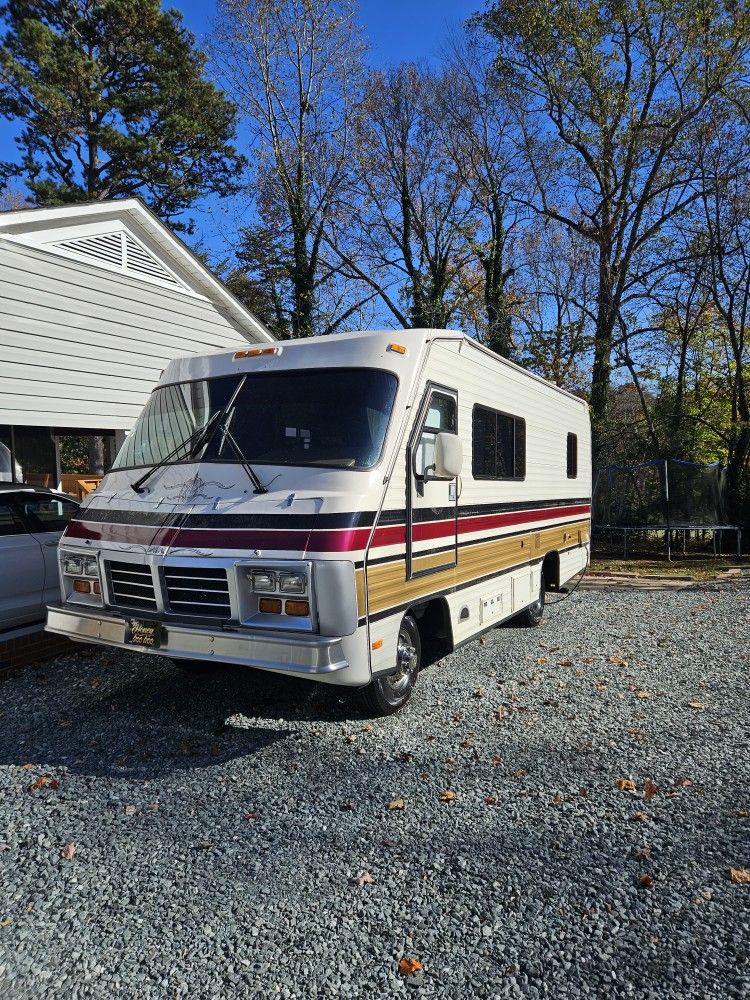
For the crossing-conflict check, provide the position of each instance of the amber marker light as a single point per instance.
(299, 609)
(82, 586)
(396, 348)
(378, 644)
(256, 352)
(270, 605)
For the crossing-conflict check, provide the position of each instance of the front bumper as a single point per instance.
(294, 654)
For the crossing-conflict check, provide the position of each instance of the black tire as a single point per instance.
(531, 617)
(197, 668)
(388, 693)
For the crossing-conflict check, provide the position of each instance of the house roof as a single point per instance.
(113, 234)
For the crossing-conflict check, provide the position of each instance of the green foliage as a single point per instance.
(114, 103)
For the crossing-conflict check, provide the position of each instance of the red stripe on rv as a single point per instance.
(321, 540)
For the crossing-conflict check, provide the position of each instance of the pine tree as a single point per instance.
(114, 102)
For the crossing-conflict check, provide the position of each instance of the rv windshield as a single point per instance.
(319, 417)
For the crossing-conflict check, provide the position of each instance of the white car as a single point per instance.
(31, 522)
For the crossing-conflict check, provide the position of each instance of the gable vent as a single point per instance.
(119, 250)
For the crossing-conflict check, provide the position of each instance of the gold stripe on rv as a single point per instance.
(387, 586)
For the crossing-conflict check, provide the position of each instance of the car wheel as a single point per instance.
(532, 616)
(388, 693)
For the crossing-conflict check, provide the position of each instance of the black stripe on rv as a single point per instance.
(284, 521)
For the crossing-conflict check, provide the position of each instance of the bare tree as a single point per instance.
(608, 93)
(407, 230)
(294, 67)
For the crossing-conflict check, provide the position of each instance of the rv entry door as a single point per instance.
(431, 502)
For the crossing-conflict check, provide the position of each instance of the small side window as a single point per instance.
(572, 456)
(47, 513)
(441, 416)
(10, 522)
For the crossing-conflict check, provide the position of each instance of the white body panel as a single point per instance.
(464, 554)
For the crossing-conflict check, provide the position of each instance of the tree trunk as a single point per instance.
(96, 455)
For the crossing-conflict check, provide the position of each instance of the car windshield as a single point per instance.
(319, 417)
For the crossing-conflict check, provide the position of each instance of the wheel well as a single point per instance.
(434, 623)
(551, 571)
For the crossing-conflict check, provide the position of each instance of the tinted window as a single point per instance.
(441, 416)
(46, 513)
(10, 522)
(498, 445)
(572, 456)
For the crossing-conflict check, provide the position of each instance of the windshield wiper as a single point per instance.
(258, 486)
(193, 443)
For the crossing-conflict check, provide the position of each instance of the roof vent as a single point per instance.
(122, 251)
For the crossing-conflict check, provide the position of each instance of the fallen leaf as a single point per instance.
(369, 728)
(424, 776)
(641, 817)
(408, 966)
(482, 642)
(392, 845)
(96, 682)
(682, 782)
(642, 853)
(153, 806)
(6, 922)
(130, 810)
(643, 695)
(250, 816)
(4, 847)
(566, 663)
(479, 693)
(447, 795)
(625, 785)
(500, 713)
(206, 845)
(44, 781)
(350, 738)
(551, 703)
(519, 773)
(740, 876)
(647, 881)
(557, 800)
(650, 789)
(697, 705)
(707, 893)
(617, 659)
(457, 717)
(397, 804)
(467, 744)
(405, 757)
(583, 792)
(68, 852)
(742, 812)
(490, 800)
(64, 723)
(541, 660)
(600, 685)
(362, 878)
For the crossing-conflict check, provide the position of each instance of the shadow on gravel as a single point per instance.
(142, 717)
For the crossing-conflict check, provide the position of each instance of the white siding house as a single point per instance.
(95, 300)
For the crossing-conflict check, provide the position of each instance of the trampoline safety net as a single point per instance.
(661, 495)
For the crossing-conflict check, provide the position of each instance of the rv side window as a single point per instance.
(498, 445)
(441, 416)
(572, 456)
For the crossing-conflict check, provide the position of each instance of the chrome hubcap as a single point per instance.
(406, 662)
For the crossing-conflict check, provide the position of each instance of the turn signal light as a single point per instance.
(82, 586)
(270, 605)
(300, 609)
(397, 348)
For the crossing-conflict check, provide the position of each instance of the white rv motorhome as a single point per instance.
(332, 508)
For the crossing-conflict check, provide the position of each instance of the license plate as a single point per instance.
(143, 633)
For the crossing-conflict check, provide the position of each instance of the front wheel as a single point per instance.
(388, 693)
(532, 616)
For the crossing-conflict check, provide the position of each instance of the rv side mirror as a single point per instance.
(449, 456)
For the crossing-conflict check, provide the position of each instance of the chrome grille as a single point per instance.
(131, 585)
(191, 590)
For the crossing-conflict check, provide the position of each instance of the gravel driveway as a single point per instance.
(218, 822)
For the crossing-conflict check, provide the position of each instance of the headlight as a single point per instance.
(79, 565)
(292, 583)
(263, 581)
